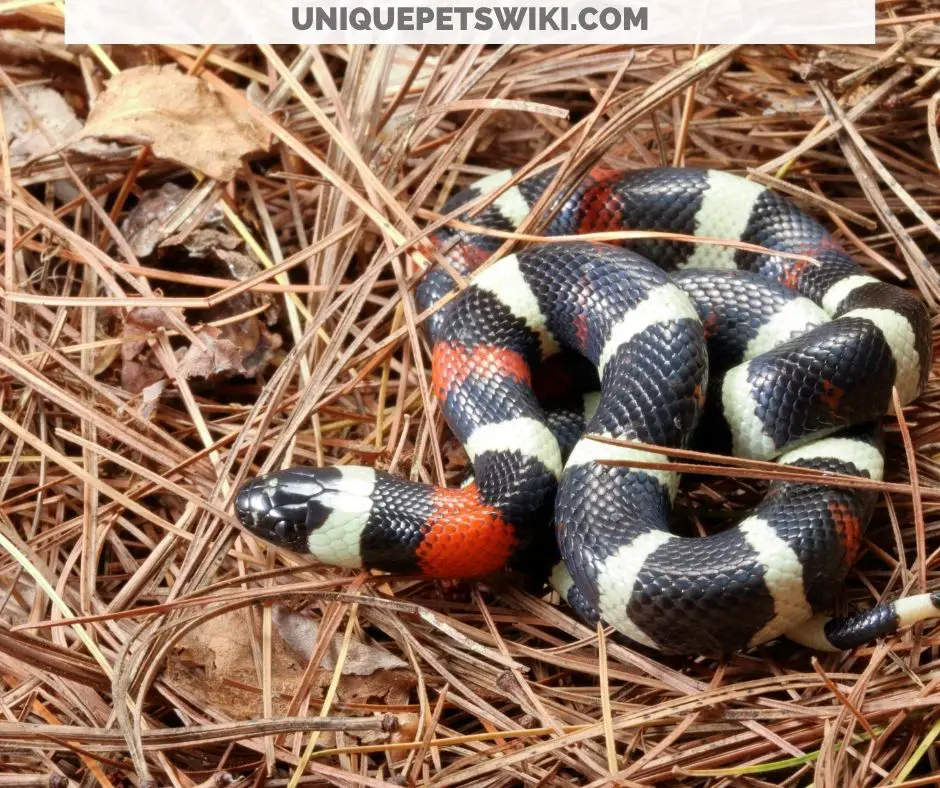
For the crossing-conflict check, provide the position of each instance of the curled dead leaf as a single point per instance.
(150, 398)
(42, 124)
(243, 347)
(43, 106)
(214, 665)
(139, 368)
(300, 633)
(371, 674)
(143, 226)
(215, 250)
(179, 116)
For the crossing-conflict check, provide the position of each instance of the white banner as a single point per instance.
(453, 21)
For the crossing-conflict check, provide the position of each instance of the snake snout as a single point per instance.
(285, 506)
(254, 507)
(247, 502)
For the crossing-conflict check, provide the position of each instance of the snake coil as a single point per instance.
(778, 357)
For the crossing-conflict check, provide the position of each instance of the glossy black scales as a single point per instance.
(786, 377)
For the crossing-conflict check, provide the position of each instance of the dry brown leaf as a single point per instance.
(140, 373)
(206, 242)
(150, 398)
(143, 320)
(300, 633)
(47, 108)
(370, 674)
(180, 117)
(215, 666)
(139, 368)
(143, 227)
(242, 348)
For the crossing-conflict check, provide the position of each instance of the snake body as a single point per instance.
(788, 356)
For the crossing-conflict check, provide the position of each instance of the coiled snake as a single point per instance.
(791, 359)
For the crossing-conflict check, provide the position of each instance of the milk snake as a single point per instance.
(777, 358)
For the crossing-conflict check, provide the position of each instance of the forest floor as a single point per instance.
(236, 295)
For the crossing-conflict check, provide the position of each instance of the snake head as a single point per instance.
(279, 507)
(310, 510)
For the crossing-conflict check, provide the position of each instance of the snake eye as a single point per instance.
(286, 531)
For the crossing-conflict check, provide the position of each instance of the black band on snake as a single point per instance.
(793, 360)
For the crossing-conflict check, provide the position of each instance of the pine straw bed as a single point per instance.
(140, 638)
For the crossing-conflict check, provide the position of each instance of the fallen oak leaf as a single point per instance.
(214, 666)
(179, 116)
